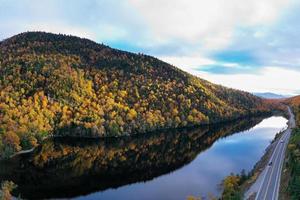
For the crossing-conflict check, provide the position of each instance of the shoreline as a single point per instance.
(249, 188)
(259, 168)
(267, 114)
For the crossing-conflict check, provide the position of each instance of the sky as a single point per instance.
(252, 45)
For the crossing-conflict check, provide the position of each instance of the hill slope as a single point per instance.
(291, 179)
(66, 85)
(295, 103)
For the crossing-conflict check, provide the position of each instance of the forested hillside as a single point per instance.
(65, 85)
(294, 102)
(292, 191)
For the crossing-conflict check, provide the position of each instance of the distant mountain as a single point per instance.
(270, 95)
(69, 86)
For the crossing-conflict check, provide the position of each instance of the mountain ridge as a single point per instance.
(270, 95)
(68, 86)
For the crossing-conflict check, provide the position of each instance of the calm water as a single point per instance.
(166, 165)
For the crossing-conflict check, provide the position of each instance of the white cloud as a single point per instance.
(53, 27)
(61, 28)
(209, 23)
(231, 65)
(187, 62)
(267, 79)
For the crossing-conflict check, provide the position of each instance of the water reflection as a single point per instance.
(70, 168)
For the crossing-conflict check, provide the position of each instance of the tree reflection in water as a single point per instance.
(64, 168)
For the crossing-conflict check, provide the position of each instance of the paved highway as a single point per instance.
(270, 183)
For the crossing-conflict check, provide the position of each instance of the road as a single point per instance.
(270, 182)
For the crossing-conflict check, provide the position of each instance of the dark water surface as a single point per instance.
(166, 165)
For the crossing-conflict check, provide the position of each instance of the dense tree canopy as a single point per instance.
(293, 164)
(294, 102)
(68, 86)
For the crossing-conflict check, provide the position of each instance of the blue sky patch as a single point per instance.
(239, 57)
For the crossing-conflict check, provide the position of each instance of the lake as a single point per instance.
(171, 164)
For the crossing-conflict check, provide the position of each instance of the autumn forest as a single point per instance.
(58, 85)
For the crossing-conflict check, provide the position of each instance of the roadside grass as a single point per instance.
(293, 166)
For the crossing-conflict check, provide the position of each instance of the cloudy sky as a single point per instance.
(253, 45)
